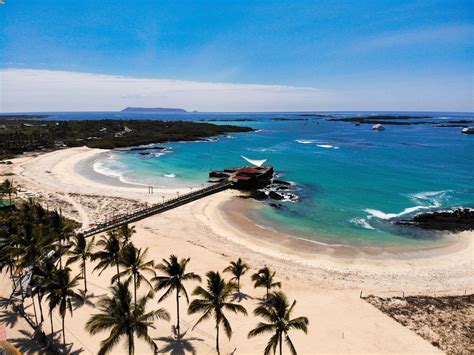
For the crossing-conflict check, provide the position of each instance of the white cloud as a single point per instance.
(31, 90)
(26, 90)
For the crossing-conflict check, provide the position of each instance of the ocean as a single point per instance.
(348, 181)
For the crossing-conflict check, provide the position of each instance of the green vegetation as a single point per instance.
(277, 313)
(7, 188)
(124, 319)
(34, 240)
(174, 275)
(20, 135)
(214, 301)
(238, 269)
(265, 278)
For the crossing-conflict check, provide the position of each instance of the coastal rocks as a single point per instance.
(278, 190)
(455, 220)
(275, 195)
(259, 195)
(278, 206)
(138, 149)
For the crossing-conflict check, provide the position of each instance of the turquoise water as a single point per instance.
(349, 179)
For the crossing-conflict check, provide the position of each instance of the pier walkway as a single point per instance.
(157, 208)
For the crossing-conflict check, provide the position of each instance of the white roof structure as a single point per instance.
(257, 163)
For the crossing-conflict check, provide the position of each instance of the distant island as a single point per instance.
(154, 109)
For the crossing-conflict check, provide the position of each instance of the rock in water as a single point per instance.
(455, 220)
(275, 195)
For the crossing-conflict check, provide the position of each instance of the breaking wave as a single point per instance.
(424, 200)
(317, 143)
(361, 222)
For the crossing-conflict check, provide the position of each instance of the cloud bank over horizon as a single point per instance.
(35, 90)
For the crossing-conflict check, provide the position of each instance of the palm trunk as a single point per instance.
(21, 290)
(238, 284)
(135, 288)
(177, 313)
(84, 272)
(131, 344)
(41, 307)
(64, 332)
(118, 271)
(217, 340)
(281, 343)
(51, 320)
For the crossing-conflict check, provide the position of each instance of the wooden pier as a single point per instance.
(157, 208)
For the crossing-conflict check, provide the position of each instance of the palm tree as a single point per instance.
(125, 232)
(175, 275)
(237, 268)
(46, 276)
(63, 230)
(42, 281)
(277, 313)
(8, 188)
(31, 244)
(110, 253)
(81, 250)
(213, 301)
(62, 293)
(264, 278)
(136, 266)
(124, 318)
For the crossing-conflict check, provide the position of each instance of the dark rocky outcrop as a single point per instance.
(276, 205)
(259, 195)
(275, 195)
(455, 220)
(138, 149)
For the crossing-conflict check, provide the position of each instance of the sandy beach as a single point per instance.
(325, 280)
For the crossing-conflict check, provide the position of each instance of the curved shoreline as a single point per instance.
(234, 214)
(54, 178)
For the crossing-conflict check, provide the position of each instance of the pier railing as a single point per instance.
(156, 208)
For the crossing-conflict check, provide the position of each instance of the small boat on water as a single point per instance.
(378, 127)
(468, 130)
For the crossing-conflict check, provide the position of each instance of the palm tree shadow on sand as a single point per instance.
(6, 302)
(178, 345)
(8, 315)
(240, 296)
(85, 299)
(31, 343)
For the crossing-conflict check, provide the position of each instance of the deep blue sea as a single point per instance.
(349, 180)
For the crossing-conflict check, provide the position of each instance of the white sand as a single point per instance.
(325, 282)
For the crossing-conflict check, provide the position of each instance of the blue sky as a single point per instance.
(352, 51)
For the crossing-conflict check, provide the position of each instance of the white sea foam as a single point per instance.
(327, 146)
(315, 142)
(361, 222)
(305, 141)
(110, 167)
(169, 175)
(426, 200)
